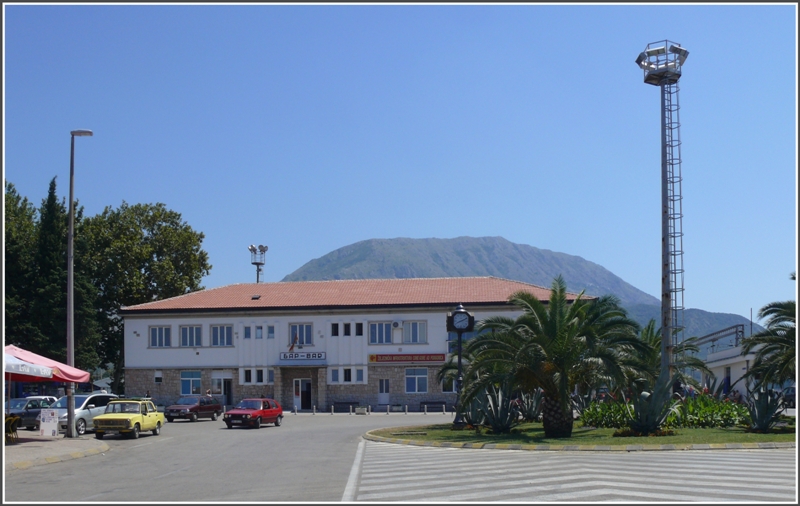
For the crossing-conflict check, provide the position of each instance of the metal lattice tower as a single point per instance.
(662, 63)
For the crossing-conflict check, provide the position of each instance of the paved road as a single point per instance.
(308, 458)
(392, 472)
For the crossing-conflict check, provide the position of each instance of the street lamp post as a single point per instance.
(459, 321)
(70, 283)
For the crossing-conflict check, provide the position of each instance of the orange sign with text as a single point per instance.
(406, 357)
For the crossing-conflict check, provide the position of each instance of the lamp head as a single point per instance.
(262, 249)
(252, 248)
(81, 133)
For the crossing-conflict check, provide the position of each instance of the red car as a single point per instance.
(254, 412)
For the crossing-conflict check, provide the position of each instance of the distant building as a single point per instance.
(311, 344)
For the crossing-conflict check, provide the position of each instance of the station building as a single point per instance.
(311, 345)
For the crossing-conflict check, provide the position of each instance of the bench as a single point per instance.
(433, 406)
(344, 406)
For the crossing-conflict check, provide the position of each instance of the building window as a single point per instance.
(259, 332)
(158, 378)
(270, 331)
(416, 381)
(222, 335)
(348, 375)
(334, 329)
(359, 375)
(346, 329)
(449, 385)
(270, 375)
(415, 333)
(301, 334)
(334, 375)
(248, 376)
(216, 385)
(452, 340)
(191, 335)
(380, 333)
(259, 375)
(160, 337)
(190, 383)
(359, 329)
(247, 332)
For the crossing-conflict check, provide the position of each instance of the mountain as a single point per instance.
(495, 256)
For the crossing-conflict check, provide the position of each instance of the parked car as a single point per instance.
(789, 397)
(254, 412)
(28, 408)
(87, 406)
(128, 417)
(192, 407)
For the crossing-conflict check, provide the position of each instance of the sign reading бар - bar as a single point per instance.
(407, 357)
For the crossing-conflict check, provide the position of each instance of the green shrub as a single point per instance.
(704, 411)
(608, 415)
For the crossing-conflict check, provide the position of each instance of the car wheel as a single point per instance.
(193, 417)
(135, 433)
(169, 419)
(80, 427)
(230, 426)
(257, 423)
(214, 415)
(278, 421)
(99, 435)
(157, 430)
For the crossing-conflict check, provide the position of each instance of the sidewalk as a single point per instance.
(35, 450)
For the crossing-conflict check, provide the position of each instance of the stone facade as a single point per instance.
(323, 395)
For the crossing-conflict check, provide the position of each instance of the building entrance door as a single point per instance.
(227, 391)
(383, 391)
(302, 393)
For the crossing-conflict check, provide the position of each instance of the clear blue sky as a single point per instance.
(311, 127)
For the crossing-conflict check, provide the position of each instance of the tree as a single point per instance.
(19, 272)
(645, 366)
(551, 346)
(139, 254)
(776, 354)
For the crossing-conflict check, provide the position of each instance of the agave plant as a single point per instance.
(651, 409)
(531, 405)
(472, 412)
(581, 402)
(500, 413)
(765, 409)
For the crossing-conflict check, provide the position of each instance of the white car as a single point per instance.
(87, 406)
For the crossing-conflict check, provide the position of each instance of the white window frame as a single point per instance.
(270, 375)
(417, 374)
(161, 335)
(378, 336)
(335, 375)
(195, 382)
(192, 335)
(248, 332)
(247, 377)
(359, 375)
(305, 334)
(415, 332)
(218, 335)
(270, 331)
(452, 389)
(259, 332)
(347, 371)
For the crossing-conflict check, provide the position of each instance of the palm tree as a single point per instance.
(550, 346)
(776, 355)
(645, 366)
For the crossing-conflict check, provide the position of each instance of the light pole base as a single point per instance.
(459, 425)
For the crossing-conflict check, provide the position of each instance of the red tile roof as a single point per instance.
(344, 294)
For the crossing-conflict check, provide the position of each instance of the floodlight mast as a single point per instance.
(662, 63)
(257, 255)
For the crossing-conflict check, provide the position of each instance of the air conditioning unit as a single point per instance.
(397, 324)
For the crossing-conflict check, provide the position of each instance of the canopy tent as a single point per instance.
(61, 372)
(20, 370)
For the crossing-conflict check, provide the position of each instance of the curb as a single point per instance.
(54, 459)
(582, 448)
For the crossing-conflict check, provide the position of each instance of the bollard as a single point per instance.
(369, 409)
(314, 409)
(406, 408)
(331, 408)
(387, 409)
(425, 409)
(295, 409)
(444, 409)
(351, 409)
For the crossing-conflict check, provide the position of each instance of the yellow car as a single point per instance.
(129, 417)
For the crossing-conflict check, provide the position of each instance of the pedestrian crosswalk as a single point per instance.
(393, 472)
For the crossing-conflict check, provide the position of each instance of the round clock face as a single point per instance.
(460, 320)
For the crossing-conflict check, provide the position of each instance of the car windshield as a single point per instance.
(188, 401)
(123, 407)
(249, 405)
(17, 403)
(62, 402)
